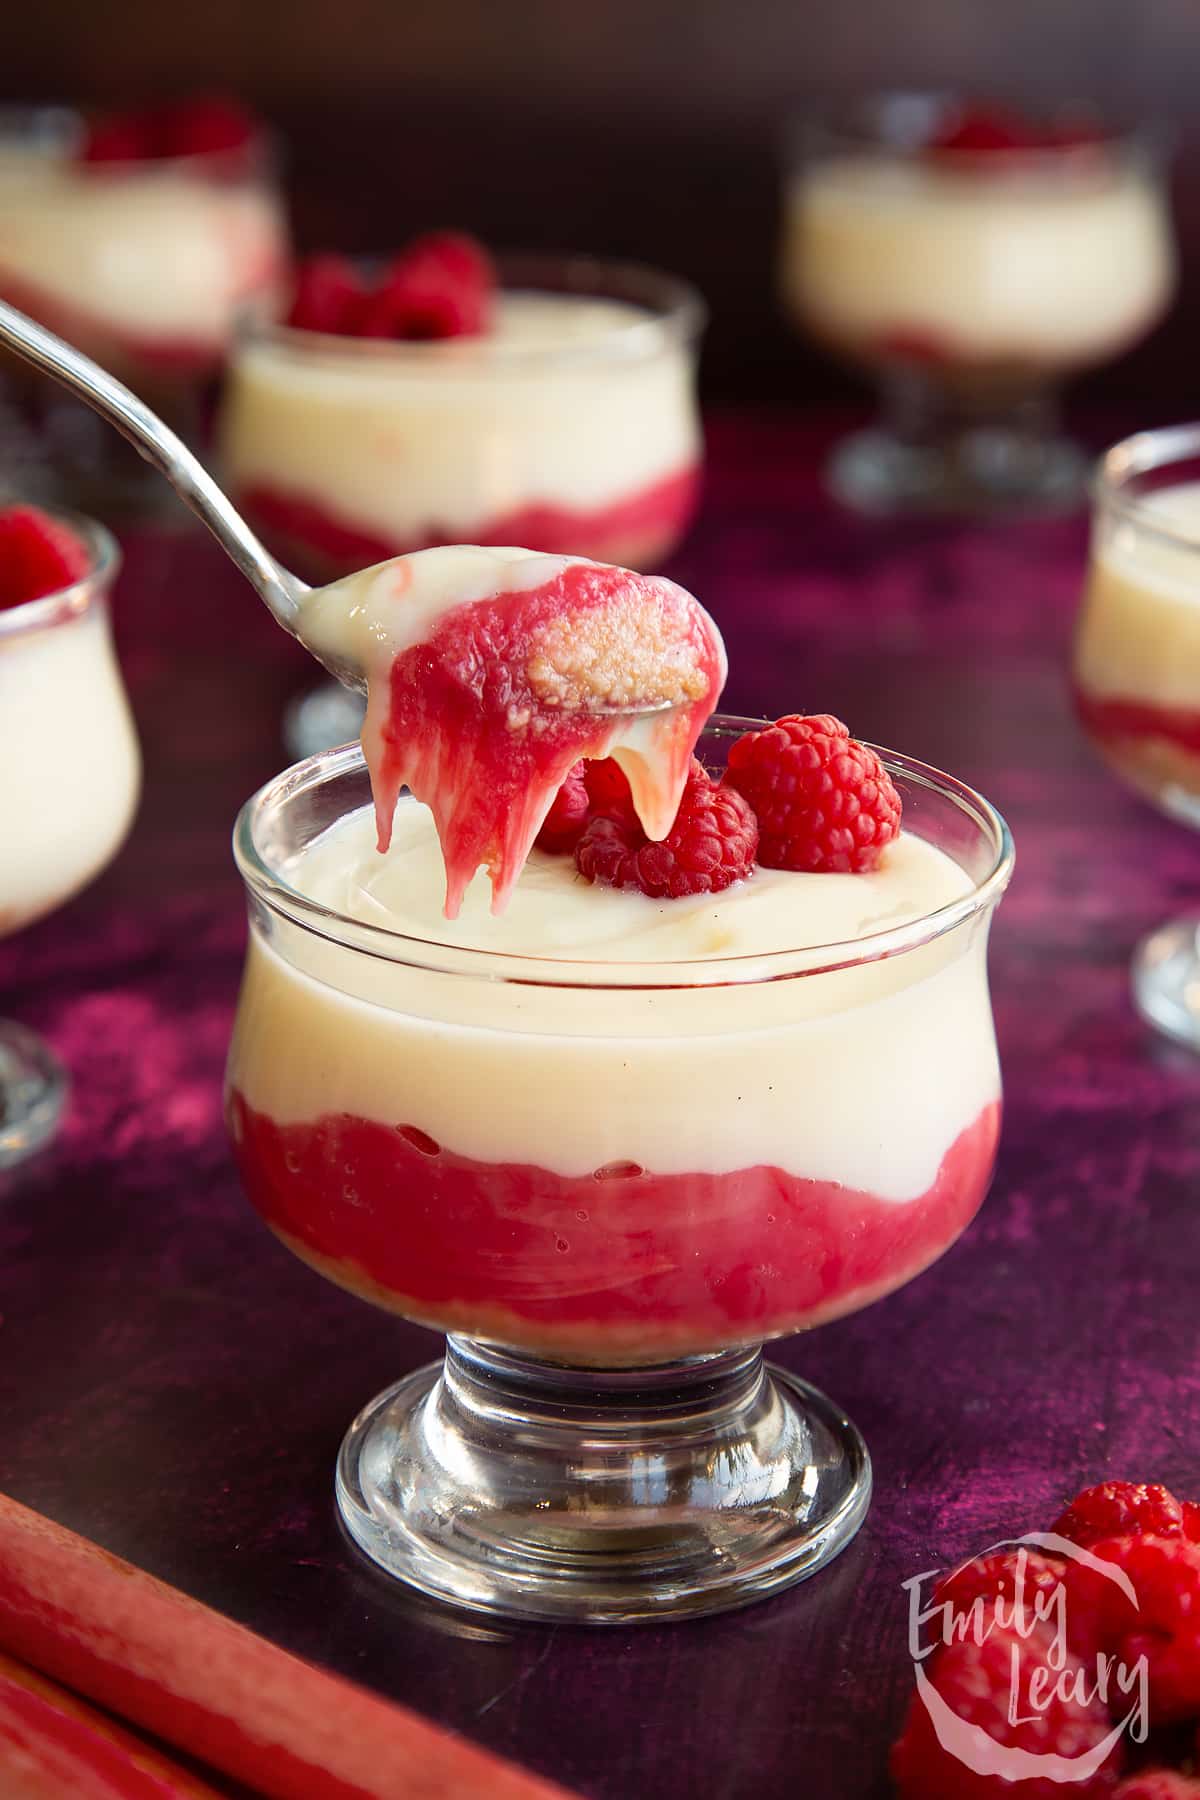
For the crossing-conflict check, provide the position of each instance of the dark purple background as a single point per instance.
(651, 129)
(174, 1385)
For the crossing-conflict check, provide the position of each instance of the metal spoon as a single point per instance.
(153, 440)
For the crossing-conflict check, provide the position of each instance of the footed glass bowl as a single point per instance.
(609, 1184)
(967, 285)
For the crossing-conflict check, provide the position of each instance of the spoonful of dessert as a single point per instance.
(488, 672)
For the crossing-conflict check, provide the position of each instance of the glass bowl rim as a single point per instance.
(678, 316)
(66, 603)
(265, 885)
(1143, 453)
(855, 123)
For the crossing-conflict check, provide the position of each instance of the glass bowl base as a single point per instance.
(33, 1092)
(536, 1490)
(1166, 980)
(982, 471)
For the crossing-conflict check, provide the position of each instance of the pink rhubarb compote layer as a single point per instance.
(621, 1150)
(638, 529)
(619, 1265)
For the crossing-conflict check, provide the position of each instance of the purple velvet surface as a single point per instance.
(174, 1385)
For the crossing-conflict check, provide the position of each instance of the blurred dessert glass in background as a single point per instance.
(71, 771)
(138, 238)
(970, 260)
(434, 399)
(1137, 671)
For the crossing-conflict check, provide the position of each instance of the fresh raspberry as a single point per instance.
(563, 825)
(119, 137)
(975, 1681)
(1121, 1509)
(824, 802)
(1000, 1577)
(450, 256)
(1191, 1520)
(1164, 1626)
(208, 125)
(609, 793)
(327, 295)
(979, 129)
(1158, 1784)
(38, 555)
(710, 846)
(440, 286)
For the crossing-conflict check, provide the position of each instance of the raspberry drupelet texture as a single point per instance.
(975, 1681)
(1164, 1626)
(824, 802)
(563, 825)
(709, 847)
(608, 790)
(1121, 1509)
(1006, 1577)
(1159, 1784)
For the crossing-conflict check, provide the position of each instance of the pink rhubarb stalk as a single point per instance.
(206, 1685)
(52, 1747)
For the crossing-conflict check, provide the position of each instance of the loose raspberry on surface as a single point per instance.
(975, 1682)
(38, 555)
(824, 802)
(1004, 1576)
(327, 296)
(1158, 1784)
(563, 825)
(1164, 1626)
(1121, 1509)
(1191, 1520)
(709, 847)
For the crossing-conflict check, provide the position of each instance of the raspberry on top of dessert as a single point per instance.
(142, 236)
(205, 125)
(973, 128)
(39, 555)
(973, 238)
(441, 285)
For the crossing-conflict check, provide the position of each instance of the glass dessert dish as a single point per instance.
(64, 714)
(143, 263)
(610, 1179)
(571, 425)
(1136, 674)
(969, 279)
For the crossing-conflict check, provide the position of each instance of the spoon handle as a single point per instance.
(162, 448)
